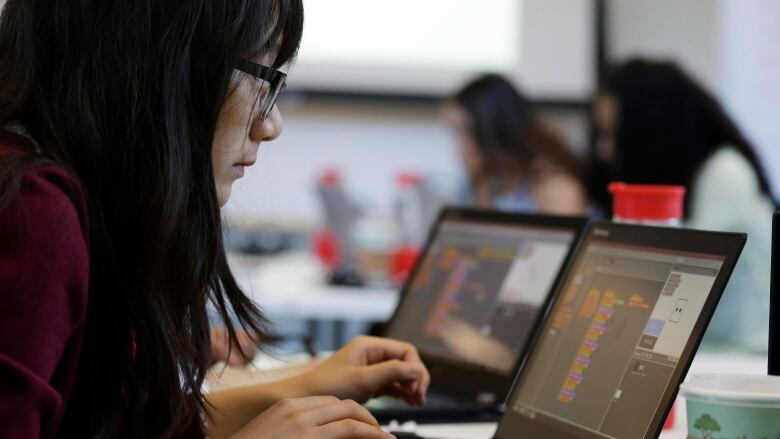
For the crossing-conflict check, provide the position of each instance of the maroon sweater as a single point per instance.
(44, 273)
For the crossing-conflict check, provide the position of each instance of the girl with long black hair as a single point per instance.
(513, 160)
(122, 127)
(657, 125)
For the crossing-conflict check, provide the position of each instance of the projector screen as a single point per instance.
(431, 47)
(437, 34)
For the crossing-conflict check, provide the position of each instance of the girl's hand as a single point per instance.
(368, 367)
(313, 417)
(365, 367)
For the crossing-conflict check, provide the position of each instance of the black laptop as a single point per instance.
(620, 334)
(773, 366)
(471, 304)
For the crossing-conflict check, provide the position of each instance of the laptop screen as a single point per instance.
(478, 289)
(612, 343)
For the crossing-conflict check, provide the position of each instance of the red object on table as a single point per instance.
(647, 202)
(408, 178)
(329, 177)
(326, 247)
(669, 424)
(402, 262)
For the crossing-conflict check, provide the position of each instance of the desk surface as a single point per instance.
(486, 430)
(291, 285)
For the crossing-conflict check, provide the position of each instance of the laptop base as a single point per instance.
(439, 409)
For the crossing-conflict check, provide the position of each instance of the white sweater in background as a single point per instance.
(726, 196)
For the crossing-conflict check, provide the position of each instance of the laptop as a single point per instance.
(471, 304)
(773, 366)
(620, 334)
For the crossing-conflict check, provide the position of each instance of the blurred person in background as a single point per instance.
(656, 125)
(513, 161)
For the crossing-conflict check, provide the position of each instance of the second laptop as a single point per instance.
(471, 304)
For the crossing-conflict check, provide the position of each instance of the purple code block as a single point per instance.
(591, 343)
(583, 360)
(654, 327)
(606, 310)
(569, 393)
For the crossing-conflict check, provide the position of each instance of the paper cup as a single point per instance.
(732, 406)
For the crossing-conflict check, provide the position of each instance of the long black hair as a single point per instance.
(668, 126)
(508, 132)
(126, 95)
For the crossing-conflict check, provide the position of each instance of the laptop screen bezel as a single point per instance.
(460, 379)
(773, 363)
(723, 244)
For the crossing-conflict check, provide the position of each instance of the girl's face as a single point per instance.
(239, 133)
(460, 122)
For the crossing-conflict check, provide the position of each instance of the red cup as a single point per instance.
(669, 423)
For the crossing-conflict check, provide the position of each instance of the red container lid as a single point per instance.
(408, 178)
(330, 177)
(647, 202)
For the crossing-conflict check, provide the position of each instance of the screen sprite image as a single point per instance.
(479, 289)
(614, 339)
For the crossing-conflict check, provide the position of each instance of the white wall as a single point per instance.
(683, 30)
(730, 45)
(558, 45)
(749, 64)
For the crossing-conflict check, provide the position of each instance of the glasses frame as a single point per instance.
(276, 79)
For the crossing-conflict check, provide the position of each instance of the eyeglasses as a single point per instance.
(272, 84)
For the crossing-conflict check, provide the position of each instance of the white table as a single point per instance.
(291, 285)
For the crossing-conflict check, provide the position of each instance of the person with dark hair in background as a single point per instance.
(656, 125)
(513, 161)
(122, 128)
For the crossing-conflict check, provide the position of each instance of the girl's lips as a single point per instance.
(238, 168)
